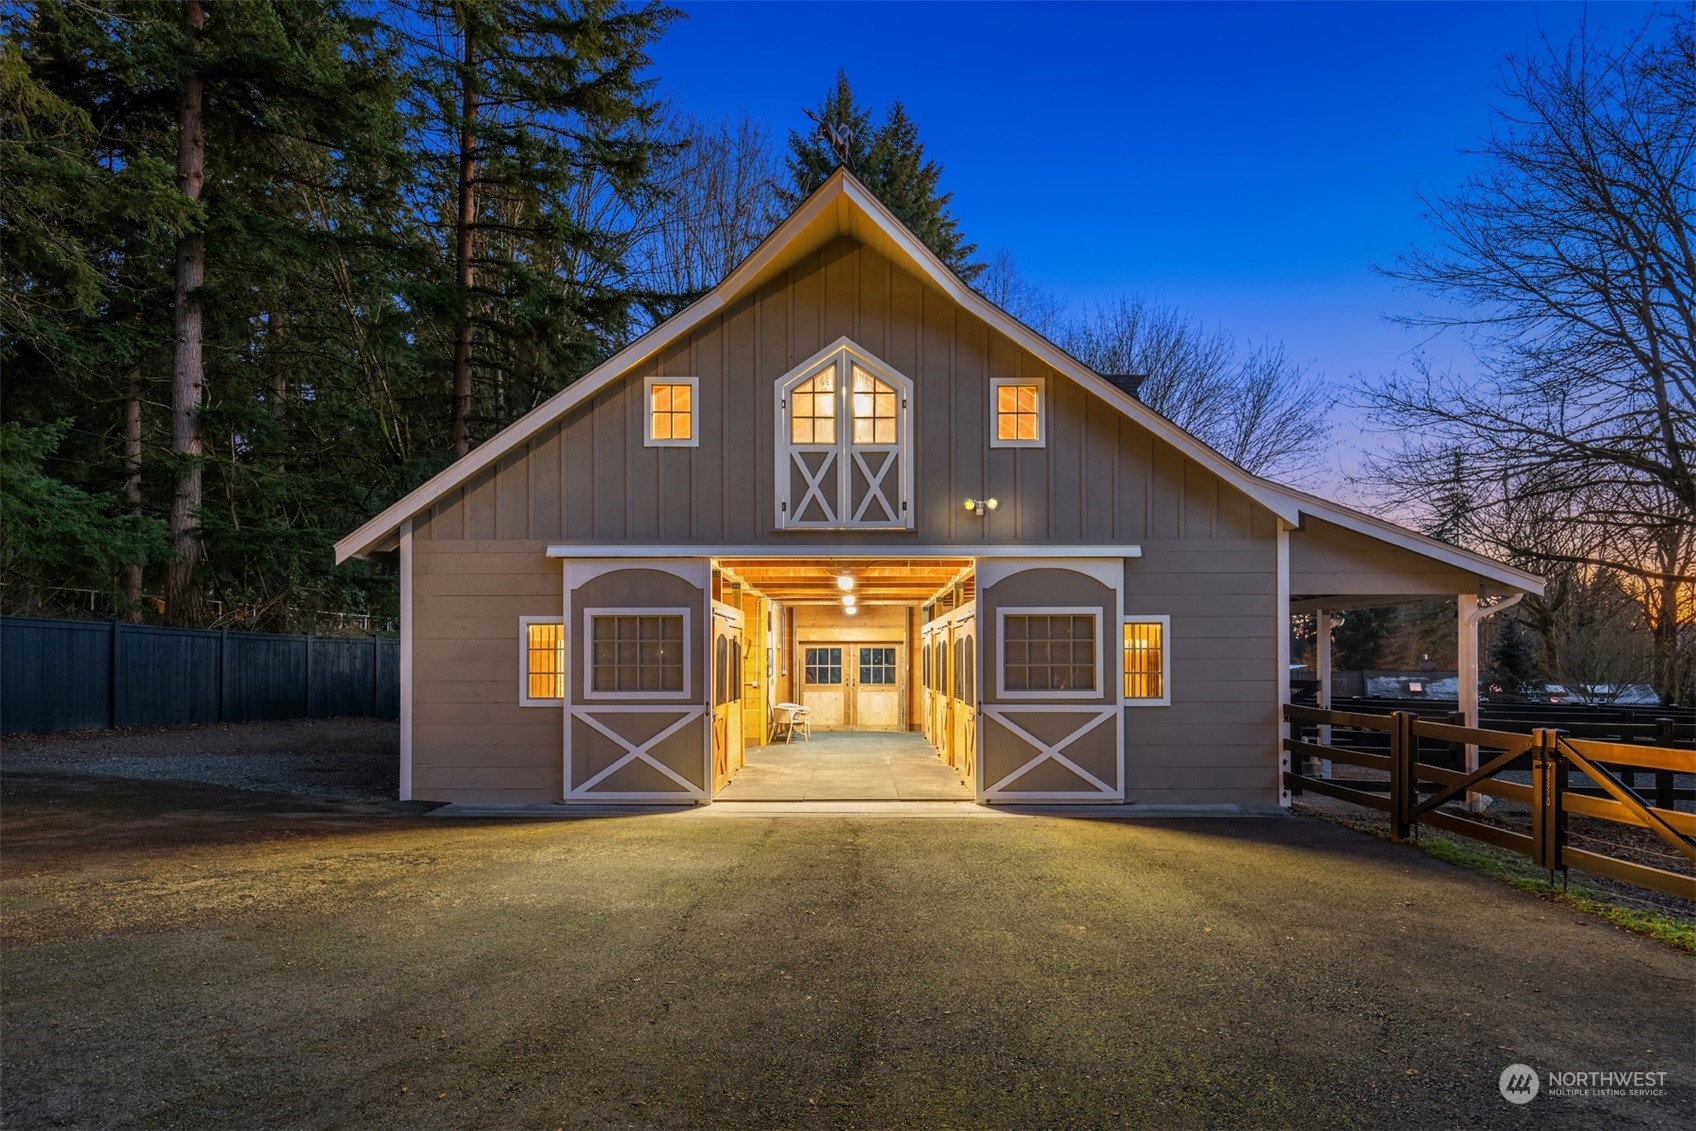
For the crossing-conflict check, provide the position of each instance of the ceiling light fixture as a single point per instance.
(844, 582)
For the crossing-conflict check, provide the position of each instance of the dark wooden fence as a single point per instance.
(58, 675)
(1567, 776)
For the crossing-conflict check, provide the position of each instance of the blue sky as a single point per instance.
(1247, 162)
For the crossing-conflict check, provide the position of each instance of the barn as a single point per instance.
(844, 480)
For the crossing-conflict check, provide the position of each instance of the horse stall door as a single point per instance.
(727, 701)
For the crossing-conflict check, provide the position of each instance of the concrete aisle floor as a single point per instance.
(847, 765)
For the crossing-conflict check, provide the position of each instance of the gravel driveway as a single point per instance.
(180, 955)
(345, 759)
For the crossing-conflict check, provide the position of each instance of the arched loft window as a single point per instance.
(844, 443)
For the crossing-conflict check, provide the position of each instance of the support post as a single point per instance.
(1467, 661)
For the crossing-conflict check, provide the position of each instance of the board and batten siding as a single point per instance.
(1216, 743)
(1100, 478)
(471, 740)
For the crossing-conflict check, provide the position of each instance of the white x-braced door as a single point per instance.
(844, 443)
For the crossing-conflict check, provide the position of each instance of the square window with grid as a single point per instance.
(1145, 660)
(877, 667)
(637, 653)
(1048, 652)
(544, 667)
(671, 411)
(812, 411)
(874, 409)
(1018, 411)
(823, 666)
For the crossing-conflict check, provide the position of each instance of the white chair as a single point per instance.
(787, 718)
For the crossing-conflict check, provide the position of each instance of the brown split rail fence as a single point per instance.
(1567, 776)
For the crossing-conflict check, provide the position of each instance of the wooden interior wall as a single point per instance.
(1100, 478)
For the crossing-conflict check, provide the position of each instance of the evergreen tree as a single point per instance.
(1513, 659)
(889, 159)
(295, 228)
(536, 132)
(1360, 640)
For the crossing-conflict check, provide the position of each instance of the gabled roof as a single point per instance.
(843, 206)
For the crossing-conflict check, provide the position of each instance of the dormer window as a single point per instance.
(844, 443)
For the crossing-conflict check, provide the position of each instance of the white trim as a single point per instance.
(995, 384)
(843, 454)
(1108, 574)
(989, 794)
(1165, 622)
(1037, 552)
(1282, 625)
(1044, 695)
(590, 695)
(524, 697)
(696, 570)
(407, 631)
(648, 439)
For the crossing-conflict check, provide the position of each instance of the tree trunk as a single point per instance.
(460, 434)
(132, 488)
(188, 378)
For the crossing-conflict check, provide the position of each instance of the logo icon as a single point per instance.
(1519, 1084)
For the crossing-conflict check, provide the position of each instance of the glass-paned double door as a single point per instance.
(852, 686)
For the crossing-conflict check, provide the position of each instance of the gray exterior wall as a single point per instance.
(1100, 479)
(1217, 743)
(1208, 560)
(471, 740)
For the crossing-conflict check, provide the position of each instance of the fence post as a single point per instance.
(308, 675)
(375, 682)
(112, 682)
(1403, 788)
(224, 675)
(1664, 797)
(1548, 822)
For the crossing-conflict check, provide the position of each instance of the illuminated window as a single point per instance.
(812, 416)
(671, 412)
(1146, 682)
(1017, 405)
(637, 654)
(1050, 653)
(541, 642)
(874, 409)
(844, 443)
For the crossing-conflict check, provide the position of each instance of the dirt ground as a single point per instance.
(195, 956)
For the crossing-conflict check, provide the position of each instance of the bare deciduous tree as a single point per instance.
(717, 198)
(1569, 262)
(1259, 408)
